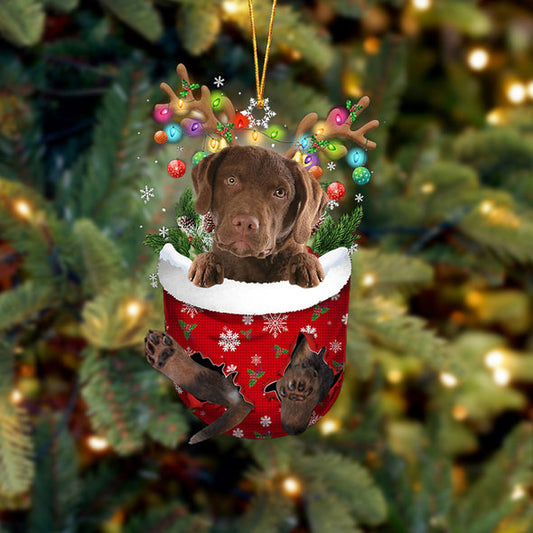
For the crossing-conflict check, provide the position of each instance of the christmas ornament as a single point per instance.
(335, 190)
(198, 156)
(241, 121)
(361, 175)
(356, 157)
(176, 168)
(316, 172)
(174, 132)
(160, 137)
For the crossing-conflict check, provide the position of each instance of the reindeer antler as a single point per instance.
(201, 109)
(334, 128)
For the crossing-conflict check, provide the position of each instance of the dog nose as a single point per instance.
(245, 224)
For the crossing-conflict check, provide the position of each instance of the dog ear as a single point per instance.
(311, 201)
(203, 176)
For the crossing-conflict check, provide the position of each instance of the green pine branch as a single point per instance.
(22, 22)
(331, 234)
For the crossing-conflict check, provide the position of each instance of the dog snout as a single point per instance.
(245, 224)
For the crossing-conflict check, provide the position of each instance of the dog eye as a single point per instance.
(280, 193)
(231, 180)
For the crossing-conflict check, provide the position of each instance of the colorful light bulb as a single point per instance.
(357, 157)
(174, 132)
(161, 113)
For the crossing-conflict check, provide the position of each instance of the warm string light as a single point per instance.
(427, 188)
(518, 493)
(292, 486)
(329, 426)
(459, 413)
(516, 92)
(448, 380)
(394, 376)
(501, 376)
(368, 280)
(478, 59)
(23, 209)
(16, 397)
(495, 117)
(97, 444)
(134, 308)
(530, 89)
(494, 358)
(421, 5)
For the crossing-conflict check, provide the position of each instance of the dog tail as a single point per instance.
(235, 414)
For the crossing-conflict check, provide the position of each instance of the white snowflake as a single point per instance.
(275, 324)
(153, 280)
(256, 359)
(332, 204)
(179, 148)
(353, 248)
(266, 421)
(219, 81)
(190, 310)
(163, 232)
(358, 197)
(189, 351)
(314, 418)
(268, 114)
(230, 368)
(147, 193)
(335, 297)
(344, 319)
(238, 432)
(335, 346)
(331, 166)
(309, 329)
(229, 340)
(247, 319)
(179, 390)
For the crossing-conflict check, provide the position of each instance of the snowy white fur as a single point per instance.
(238, 297)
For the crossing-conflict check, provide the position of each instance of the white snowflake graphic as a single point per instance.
(309, 329)
(190, 310)
(153, 280)
(219, 81)
(147, 193)
(358, 197)
(256, 359)
(247, 319)
(179, 390)
(268, 114)
(266, 421)
(335, 297)
(332, 204)
(331, 166)
(238, 432)
(314, 418)
(229, 340)
(353, 248)
(344, 319)
(275, 324)
(164, 232)
(335, 346)
(179, 148)
(189, 351)
(230, 368)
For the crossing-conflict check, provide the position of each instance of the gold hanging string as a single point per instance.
(261, 85)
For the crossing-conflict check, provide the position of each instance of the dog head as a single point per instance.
(257, 198)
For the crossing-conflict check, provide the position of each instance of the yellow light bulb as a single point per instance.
(134, 308)
(16, 397)
(421, 5)
(478, 59)
(23, 209)
(329, 426)
(518, 493)
(516, 93)
(394, 376)
(292, 486)
(494, 358)
(448, 380)
(368, 280)
(459, 413)
(427, 188)
(255, 136)
(486, 207)
(97, 444)
(495, 117)
(501, 376)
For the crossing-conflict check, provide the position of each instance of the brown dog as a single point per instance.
(264, 207)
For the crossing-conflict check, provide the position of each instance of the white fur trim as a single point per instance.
(238, 297)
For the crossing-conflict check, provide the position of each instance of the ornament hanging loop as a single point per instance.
(260, 84)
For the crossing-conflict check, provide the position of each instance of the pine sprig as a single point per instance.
(175, 236)
(331, 234)
(185, 207)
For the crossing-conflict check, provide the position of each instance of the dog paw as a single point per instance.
(305, 270)
(206, 271)
(297, 390)
(159, 348)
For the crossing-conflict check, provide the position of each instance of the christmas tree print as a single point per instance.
(187, 329)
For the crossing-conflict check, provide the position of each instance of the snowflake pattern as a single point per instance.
(190, 310)
(335, 346)
(163, 232)
(358, 197)
(153, 280)
(310, 330)
(219, 81)
(256, 359)
(268, 114)
(331, 166)
(353, 248)
(230, 368)
(344, 319)
(332, 204)
(189, 351)
(275, 324)
(266, 421)
(179, 390)
(247, 319)
(335, 297)
(229, 340)
(147, 193)
(179, 148)
(314, 418)
(238, 432)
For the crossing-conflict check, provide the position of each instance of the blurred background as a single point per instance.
(432, 431)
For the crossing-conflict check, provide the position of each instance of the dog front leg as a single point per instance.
(305, 270)
(167, 356)
(206, 270)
